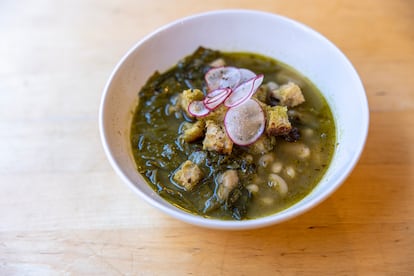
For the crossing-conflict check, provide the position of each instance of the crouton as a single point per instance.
(217, 114)
(277, 122)
(288, 94)
(193, 131)
(189, 95)
(216, 139)
(188, 175)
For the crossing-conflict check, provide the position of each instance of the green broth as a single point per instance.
(158, 151)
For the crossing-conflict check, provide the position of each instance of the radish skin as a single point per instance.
(198, 109)
(244, 91)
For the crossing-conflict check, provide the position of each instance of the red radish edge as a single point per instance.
(253, 82)
(217, 91)
(217, 94)
(192, 109)
(214, 102)
(211, 105)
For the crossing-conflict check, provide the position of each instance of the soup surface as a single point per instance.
(189, 158)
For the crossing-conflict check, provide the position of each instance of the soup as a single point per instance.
(231, 135)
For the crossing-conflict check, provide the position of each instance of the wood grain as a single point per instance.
(64, 211)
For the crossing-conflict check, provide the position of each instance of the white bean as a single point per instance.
(304, 152)
(272, 85)
(290, 171)
(297, 149)
(278, 183)
(267, 200)
(308, 132)
(253, 188)
(276, 167)
(218, 63)
(227, 182)
(266, 159)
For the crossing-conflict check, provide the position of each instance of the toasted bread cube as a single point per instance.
(217, 114)
(189, 95)
(288, 94)
(188, 175)
(193, 131)
(277, 121)
(216, 139)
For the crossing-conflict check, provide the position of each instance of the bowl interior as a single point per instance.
(237, 30)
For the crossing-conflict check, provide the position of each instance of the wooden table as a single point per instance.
(63, 210)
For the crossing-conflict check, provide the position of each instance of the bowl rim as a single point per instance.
(213, 223)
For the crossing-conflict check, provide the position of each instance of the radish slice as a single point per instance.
(214, 99)
(218, 92)
(222, 77)
(244, 91)
(245, 123)
(198, 109)
(213, 104)
(246, 74)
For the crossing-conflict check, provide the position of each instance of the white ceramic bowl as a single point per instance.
(248, 31)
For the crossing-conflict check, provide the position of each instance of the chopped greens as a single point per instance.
(182, 146)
